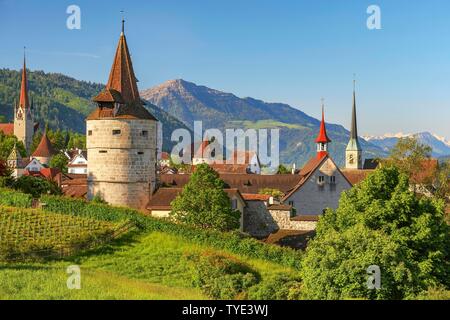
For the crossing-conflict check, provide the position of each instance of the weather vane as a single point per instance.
(123, 19)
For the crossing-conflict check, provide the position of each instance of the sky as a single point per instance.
(289, 51)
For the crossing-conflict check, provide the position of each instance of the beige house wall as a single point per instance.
(312, 198)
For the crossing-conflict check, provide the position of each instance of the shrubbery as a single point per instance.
(13, 198)
(277, 287)
(36, 186)
(221, 277)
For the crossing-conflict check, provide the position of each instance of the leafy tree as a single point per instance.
(59, 161)
(442, 185)
(275, 193)
(204, 203)
(7, 144)
(378, 222)
(408, 155)
(282, 169)
(36, 186)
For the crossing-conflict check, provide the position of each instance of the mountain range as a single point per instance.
(64, 102)
(217, 109)
(440, 146)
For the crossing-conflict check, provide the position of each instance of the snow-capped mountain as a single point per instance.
(440, 145)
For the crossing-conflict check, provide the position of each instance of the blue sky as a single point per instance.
(280, 51)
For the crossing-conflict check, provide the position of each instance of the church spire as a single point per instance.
(353, 152)
(354, 128)
(322, 139)
(24, 101)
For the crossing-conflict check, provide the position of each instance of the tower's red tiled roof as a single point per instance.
(7, 128)
(45, 148)
(121, 88)
(322, 136)
(24, 101)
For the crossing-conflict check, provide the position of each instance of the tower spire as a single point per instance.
(353, 152)
(354, 128)
(322, 139)
(24, 101)
(123, 22)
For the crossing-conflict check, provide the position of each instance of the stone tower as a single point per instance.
(353, 152)
(121, 139)
(23, 114)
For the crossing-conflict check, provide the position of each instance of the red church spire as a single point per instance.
(322, 139)
(24, 102)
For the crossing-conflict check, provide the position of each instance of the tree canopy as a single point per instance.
(204, 203)
(379, 222)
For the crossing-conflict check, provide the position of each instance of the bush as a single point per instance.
(277, 287)
(221, 277)
(36, 186)
(14, 198)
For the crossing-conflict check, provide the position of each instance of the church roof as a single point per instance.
(322, 137)
(45, 148)
(24, 101)
(121, 88)
(353, 144)
(7, 128)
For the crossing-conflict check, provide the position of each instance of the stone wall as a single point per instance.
(121, 160)
(260, 221)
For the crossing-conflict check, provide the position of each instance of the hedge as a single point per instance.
(12, 198)
(230, 241)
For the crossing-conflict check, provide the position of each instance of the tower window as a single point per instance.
(321, 179)
(90, 133)
(103, 151)
(140, 152)
(116, 132)
(333, 179)
(144, 133)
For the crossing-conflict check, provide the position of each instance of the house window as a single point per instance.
(116, 132)
(291, 203)
(234, 204)
(140, 152)
(103, 151)
(333, 179)
(144, 133)
(321, 179)
(90, 133)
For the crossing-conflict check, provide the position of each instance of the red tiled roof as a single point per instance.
(165, 156)
(426, 174)
(230, 168)
(355, 176)
(23, 101)
(246, 183)
(322, 136)
(7, 128)
(255, 197)
(45, 148)
(121, 88)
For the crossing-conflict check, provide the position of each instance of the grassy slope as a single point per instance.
(153, 265)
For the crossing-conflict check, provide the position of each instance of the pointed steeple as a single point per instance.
(121, 96)
(354, 129)
(322, 139)
(353, 144)
(24, 101)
